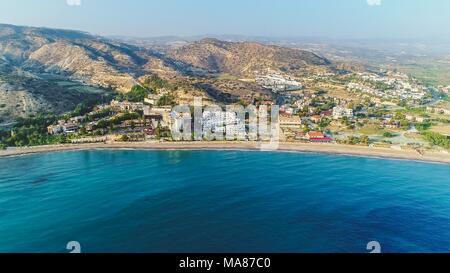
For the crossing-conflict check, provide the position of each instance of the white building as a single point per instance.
(152, 99)
(278, 83)
(223, 122)
(127, 106)
(341, 112)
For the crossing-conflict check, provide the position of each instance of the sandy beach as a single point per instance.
(429, 156)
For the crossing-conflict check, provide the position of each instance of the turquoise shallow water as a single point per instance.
(211, 201)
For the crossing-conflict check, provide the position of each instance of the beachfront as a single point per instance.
(429, 156)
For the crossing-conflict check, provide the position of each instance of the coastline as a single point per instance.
(337, 149)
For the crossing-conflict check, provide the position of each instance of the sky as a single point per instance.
(341, 19)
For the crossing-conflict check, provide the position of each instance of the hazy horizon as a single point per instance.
(319, 19)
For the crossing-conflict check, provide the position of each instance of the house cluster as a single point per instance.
(278, 83)
(438, 110)
(414, 118)
(91, 121)
(65, 127)
(214, 123)
(153, 99)
(387, 122)
(219, 121)
(395, 86)
(314, 109)
(340, 112)
(125, 106)
(162, 114)
(290, 121)
(315, 137)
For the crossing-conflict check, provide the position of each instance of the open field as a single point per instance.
(443, 129)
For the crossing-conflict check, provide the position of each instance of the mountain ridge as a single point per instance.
(31, 55)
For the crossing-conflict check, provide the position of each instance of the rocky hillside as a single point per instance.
(22, 96)
(76, 55)
(47, 70)
(244, 59)
(53, 70)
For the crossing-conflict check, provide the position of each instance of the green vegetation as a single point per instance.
(32, 132)
(376, 113)
(324, 123)
(155, 83)
(99, 115)
(327, 106)
(104, 124)
(437, 139)
(353, 140)
(388, 135)
(124, 138)
(137, 94)
(423, 126)
(371, 130)
(378, 85)
(158, 132)
(2, 105)
(401, 118)
(88, 105)
(125, 116)
(166, 100)
(364, 140)
(417, 110)
(81, 109)
(347, 122)
(304, 112)
(432, 73)
(2, 146)
(321, 92)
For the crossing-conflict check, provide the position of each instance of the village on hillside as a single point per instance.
(389, 110)
(372, 109)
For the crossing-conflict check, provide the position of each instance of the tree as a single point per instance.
(353, 140)
(399, 115)
(166, 100)
(437, 139)
(405, 123)
(136, 94)
(158, 131)
(102, 124)
(324, 123)
(124, 138)
(304, 112)
(423, 126)
(364, 140)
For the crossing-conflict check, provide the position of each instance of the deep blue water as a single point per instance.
(210, 201)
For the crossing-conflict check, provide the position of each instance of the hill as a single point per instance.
(244, 58)
(52, 70)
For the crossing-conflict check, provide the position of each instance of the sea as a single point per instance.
(221, 201)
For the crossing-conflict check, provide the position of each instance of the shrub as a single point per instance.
(437, 139)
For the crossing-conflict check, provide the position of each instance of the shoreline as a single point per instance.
(336, 149)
